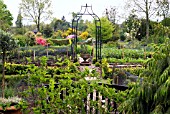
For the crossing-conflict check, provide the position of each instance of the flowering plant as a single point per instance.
(11, 101)
(41, 41)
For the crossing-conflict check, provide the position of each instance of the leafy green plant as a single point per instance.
(152, 95)
(7, 43)
(66, 95)
(12, 101)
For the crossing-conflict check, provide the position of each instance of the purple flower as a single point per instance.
(71, 36)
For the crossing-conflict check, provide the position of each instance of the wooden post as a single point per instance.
(47, 50)
(19, 56)
(34, 55)
(123, 52)
(144, 52)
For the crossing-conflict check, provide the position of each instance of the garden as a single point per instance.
(84, 68)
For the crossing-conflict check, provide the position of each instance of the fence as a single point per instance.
(95, 96)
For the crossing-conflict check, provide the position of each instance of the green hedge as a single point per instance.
(60, 42)
(13, 69)
(128, 53)
(16, 69)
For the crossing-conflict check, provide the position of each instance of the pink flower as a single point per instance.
(71, 36)
(41, 41)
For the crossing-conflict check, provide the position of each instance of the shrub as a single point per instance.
(84, 35)
(13, 69)
(19, 31)
(21, 40)
(60, 42)
(30, 38)
(41, 41)
(39, 34)
(116, 36)
(97, 64)
(50, 42)
(48, 31)
(57, 35)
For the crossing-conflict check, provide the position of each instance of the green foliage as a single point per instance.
(160, 33)
(120, 53)
(48, 99)
(166, 22)
(122, 36)
(19, 31)
(82, 25)
(84, 48)
(5, 17)
(97, 64)
(106, 71)
(7, 42)
(60, 24)
(136, 71)
(38, 34)
(60, 42)
(57, 34)
(126, 60)
(132, 25)
(19, 20)
(111, 44)
(13, 69)
(21, 40)
(152, 95)
(12, 101)
(141, 33)
(47, 31)
(107, 29)
(116, 36)
(30, 40)
(50, 42)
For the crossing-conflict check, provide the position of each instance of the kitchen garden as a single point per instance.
(58, 69)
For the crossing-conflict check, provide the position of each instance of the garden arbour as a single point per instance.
(98, 39)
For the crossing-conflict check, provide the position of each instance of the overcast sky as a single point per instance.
(66, 7)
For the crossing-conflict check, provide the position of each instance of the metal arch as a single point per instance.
(98, 38)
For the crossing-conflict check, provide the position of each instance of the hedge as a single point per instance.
(60, 42)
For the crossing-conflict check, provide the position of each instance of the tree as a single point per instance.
(148, 7)
(82, 26)
(65, 24)
(36, 10)
(7, 43)
(56, 24)
(5, 17)
(141, 32)
(132, 25)
(152, 96)
(163, 9)
(107, 29)
(19, 20)
(111, 14)
(60, 24)
(166, 22)
(48, 31)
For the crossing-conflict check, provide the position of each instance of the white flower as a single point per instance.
(10, 100)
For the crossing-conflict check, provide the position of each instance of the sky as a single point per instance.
(66, 7)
